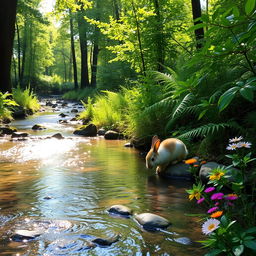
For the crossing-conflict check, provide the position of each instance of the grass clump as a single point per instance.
(26, 99)
(81, 94)
(5, 106)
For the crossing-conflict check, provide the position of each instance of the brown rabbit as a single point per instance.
(164, 153)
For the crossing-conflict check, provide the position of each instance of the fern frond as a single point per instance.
(162, 104)
(180, 108)
(167, 79)
(205, 130)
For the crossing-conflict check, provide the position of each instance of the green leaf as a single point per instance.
(249, 6)
(236, 11)
(238, 250)
(213, 252)
(250, 244)
(197, 26)
(247, 93)
(251, 230)
(227, 97)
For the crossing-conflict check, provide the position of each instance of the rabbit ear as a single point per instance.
(154, 139)
(156, 146)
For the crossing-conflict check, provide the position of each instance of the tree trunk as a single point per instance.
(199, 33)
(73, 50)
(139, 39)
(116, 10)
(18, 47)
(159, 40)
(82, 27)
(7, 31)
(24, 54)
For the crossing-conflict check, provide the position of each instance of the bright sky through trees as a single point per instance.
(47, 5)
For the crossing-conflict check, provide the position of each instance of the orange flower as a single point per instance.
(203, 162)
(191, 161)
(195, 165)
(217, 214)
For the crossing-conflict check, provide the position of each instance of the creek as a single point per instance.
(65, 186)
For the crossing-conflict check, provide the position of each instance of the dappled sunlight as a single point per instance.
(45, 152)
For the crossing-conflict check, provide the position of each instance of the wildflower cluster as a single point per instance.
(229, 219)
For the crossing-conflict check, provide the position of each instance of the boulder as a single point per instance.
(90, 131)
(101, 132)
(62, 115)
(58, 136)
(151, 222)
(19, 135)
(120, 210)
(206, 169)
(178, 171)
(7, 130)
(38, 127)
(19, 113)
(113, 135)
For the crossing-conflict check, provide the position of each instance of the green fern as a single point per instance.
(205, 130)
(180, 108)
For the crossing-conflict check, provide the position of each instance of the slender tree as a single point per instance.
(82, 30)
(7, 31)
(73, 49)
(197, 13)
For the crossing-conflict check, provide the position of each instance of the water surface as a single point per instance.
(68, 184)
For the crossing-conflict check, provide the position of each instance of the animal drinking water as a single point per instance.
(161, 154)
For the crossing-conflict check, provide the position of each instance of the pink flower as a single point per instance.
(200, 200)
(213, 209)
(210, 189)
(231, 197)
(217, 196)
(217, 203)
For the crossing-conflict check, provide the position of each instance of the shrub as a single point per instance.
(26, 99)
(5, 104)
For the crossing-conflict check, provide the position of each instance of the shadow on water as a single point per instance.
(62, 188)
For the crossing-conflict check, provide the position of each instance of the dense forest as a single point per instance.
(173, 68)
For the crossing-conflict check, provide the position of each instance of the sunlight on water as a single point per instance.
(46, 151)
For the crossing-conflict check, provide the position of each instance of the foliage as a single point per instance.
(82, 94)
(235, 233)
(26, 99)
(5, 106)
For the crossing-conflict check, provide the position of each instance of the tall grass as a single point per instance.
(81, 94)
(26, 99)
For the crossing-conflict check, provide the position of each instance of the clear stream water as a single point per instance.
(65, 186)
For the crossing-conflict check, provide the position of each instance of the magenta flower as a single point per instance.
(210, 189)
(213, 209)
(200, 200)
(231, 197)
(217, 196)
(217, 203)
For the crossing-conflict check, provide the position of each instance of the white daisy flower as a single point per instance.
(232, 146)
(235, 139)
(210, 225)
(244, 144)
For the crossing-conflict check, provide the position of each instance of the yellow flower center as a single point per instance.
(211, 227)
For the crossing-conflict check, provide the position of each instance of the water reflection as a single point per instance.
(76, 180)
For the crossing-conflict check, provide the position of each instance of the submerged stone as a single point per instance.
(105, 241)
(120, 210)
(7, 130)
(58, 136)
(62, 115)
(21, 235)
(150, 221)
(38, 127)
(19, 135)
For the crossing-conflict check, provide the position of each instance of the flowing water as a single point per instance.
(64, 187)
